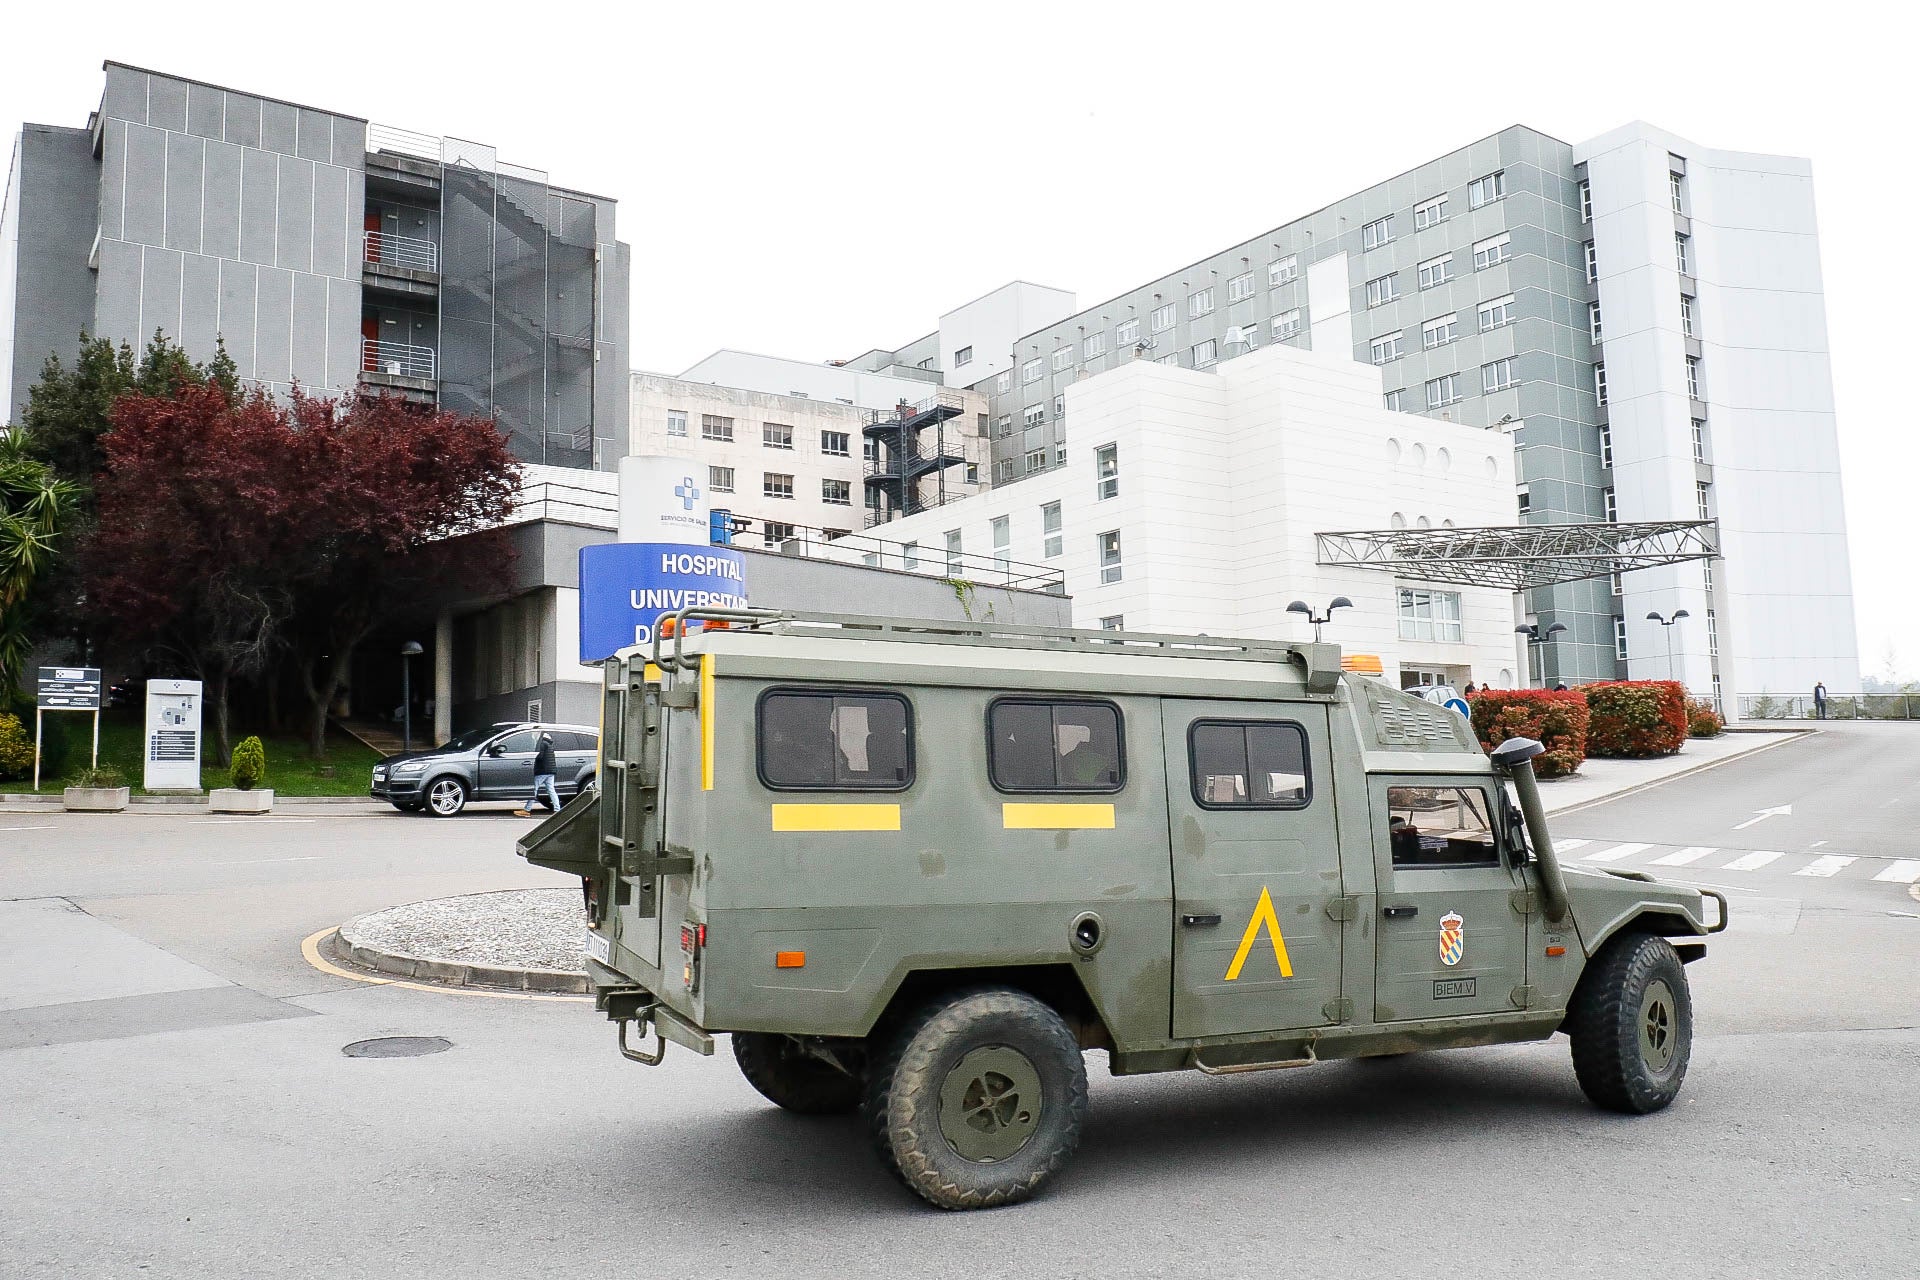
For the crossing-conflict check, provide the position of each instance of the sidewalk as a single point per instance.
(155, 806)
(1605, 779)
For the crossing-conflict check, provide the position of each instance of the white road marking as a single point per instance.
(47, 828)
(1693, 853)
(235, 822)
(1616, 853)
(1905, 871)
(1568, 846)
(1761, 815)
(1830, 865)
(1816, 844)
(248, 862)
(1753, 861)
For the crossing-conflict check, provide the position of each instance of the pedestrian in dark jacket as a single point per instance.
(544, 789)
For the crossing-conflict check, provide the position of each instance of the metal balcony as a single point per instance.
(396, 359)
(408, 252)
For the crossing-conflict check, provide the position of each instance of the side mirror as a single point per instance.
(495, 749)
(1515, 752)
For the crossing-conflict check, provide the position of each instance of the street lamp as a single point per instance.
(1301, 606)
(1535, 636)
(1667, 624)
(408, 652)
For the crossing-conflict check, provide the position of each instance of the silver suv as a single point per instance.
(494, 763)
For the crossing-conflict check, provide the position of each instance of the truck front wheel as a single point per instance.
(787, 1076)
(978, 1098)
(1631, 1022)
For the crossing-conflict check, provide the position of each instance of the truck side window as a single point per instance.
(835, 740)
(1248, 764)
(1037, 744)
(1439, 827)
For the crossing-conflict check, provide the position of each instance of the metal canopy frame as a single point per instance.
(1521, 557)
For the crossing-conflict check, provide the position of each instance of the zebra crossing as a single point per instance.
(1703, 858)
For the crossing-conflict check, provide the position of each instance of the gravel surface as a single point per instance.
(516, 928)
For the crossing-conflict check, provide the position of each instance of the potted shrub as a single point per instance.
(97, 791)
(1702, 720)
(1636, 719)
(248, 770)
(1557, 719)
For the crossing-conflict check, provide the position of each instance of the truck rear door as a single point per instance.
(1256, 863)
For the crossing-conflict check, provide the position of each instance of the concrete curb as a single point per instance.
(1650, 783)
(452, 973)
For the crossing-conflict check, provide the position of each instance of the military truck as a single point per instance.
(916, 869)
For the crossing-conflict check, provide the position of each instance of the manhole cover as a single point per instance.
(397, 1047)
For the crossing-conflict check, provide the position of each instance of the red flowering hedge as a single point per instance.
(1557, 720)
(1636, 718)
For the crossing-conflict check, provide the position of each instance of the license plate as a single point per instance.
(1455, 988)
(600, 947)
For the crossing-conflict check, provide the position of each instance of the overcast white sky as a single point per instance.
(814, 179)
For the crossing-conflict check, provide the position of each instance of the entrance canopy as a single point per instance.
(1520, 557)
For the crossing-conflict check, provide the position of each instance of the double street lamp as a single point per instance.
(1535, 636)
(1667, 625)
(1319, 620)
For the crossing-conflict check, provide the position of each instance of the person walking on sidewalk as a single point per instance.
(1820, 699)
(544, 789)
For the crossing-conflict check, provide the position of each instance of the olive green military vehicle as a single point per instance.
(917, 868)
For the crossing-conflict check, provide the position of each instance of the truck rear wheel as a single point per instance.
(978, 1099)
(1631, 1022)
(789, 1077)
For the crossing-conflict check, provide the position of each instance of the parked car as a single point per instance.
(494, 763)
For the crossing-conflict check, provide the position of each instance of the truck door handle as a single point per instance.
(1401, 912)
(1201, 920)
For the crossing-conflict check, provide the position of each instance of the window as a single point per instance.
(1163, 317)
(1377, 233)
(1699, 440)
(1484, 191)
(1247, 764)
(1205, 353)
(1620, 639)
(1240, 287)
(1524, 501)
(1286, 324)
(776, 435)
(1609, 505)
(1005, 382)
(1436, 271)
(1094, 344)
(1680, 254)
(1060, 405)
(1593, 264)
(1383, 289)
(1444, 390)
(1586, 201)
(1606, 446)
(1429, 213)
(1172, 358)
(1002, 471)
(834, 535)
(955, 559)
(775, 485)
(833, 740)
(1039, 745)
(963, 356)
(1062, 358)
(1033, 371)
(836, 444)
(1050, 530)
(1439, 827)
(1199, 303)
(837, 493)
(910, 556)
(1439, 331)
(870, 449)
(676, 422)
(720, 479)
(1395, 401)
(1496, 313)
(1114, 622)
(1430, 615)
(1500, 375)
(1703, 499)
(1618, 584)
(1036, 460)
(1002, 540)
(1686, 316)
(1126, 333)
(1600, 383)
(1693, 377)
(775, 532)
(1003, 426)
(1282, 270)
(1593, 320)
(1677, 189)
(1385, 347)
(714, 427)
(1036, 415)
(1106, 472)
(1492, 251)
(973, 473)
(1110, 556)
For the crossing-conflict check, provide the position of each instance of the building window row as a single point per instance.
(1106, 472)
(1436, 271)
(1283, 270)
(1199, 303)
(837, 493)
(776, 435)
(1439, 331)
(1377, 233)
(775, 485)
(1286, 324)
(715, 427)
(1429, 213)
(1110, 556)
(1492, 251)
(676, 422)
(1484, 191)
(1240, 287)
(1430, 615)
(1383, 289)
(720, 479)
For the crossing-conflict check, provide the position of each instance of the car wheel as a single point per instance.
(788, 1077)
(586, 784)
(446, 796)
(1631, 1023)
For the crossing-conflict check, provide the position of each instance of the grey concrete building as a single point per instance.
(324, 252)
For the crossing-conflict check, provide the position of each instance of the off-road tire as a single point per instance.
(1631, 1022)
(790, 1078)
(928, 1071)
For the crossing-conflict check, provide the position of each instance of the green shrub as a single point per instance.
(1702, 720)
(249, 764)
(104, 776)
(1555, 719)
(1634, 719)
(16, 748)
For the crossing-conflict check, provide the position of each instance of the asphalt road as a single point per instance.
(174, 1100)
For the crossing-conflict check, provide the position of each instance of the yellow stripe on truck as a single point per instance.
(706, 723)
(1056, 817)
(836, 817)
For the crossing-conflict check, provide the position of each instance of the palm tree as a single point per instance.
(35, 509)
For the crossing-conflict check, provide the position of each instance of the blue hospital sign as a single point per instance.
(627, 587)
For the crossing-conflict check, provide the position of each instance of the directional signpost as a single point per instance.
(66, 689)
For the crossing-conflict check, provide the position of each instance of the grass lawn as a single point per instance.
(289, 771)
